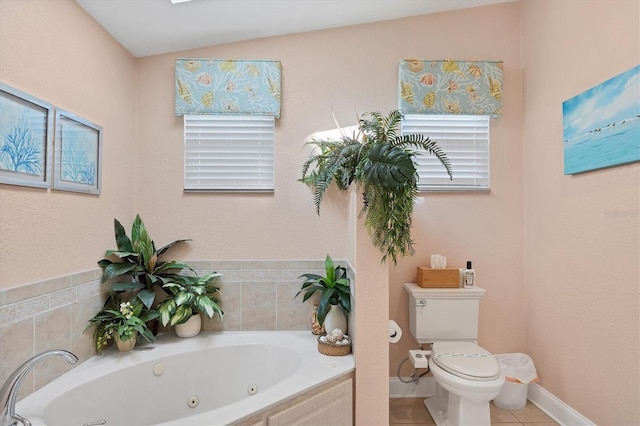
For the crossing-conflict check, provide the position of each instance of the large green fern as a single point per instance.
(381, 162)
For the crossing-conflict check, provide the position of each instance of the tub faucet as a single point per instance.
(9, 392)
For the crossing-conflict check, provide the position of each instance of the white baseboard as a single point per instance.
(425, 388)
(555, 408)
(542, 398)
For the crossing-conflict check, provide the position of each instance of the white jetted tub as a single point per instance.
(211, 379)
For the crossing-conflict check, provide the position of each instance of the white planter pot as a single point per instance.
(190, 328)
(336, 318)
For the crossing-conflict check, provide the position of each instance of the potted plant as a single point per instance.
(335, 294)
(381, 163)
(121, 322)
(136, 265)
(188, 297)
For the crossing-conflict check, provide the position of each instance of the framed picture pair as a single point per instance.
(46, 147)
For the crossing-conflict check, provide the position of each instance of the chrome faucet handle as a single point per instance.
(21, 419)
(9, 391)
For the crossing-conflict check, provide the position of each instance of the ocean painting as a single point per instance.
(601, 126)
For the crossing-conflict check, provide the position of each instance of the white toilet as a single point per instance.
(467, 376)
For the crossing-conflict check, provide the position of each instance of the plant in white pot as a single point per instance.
(335, 295)
(189, 296)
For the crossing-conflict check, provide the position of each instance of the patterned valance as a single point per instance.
(450, 87)
(219, 86)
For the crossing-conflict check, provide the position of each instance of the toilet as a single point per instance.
(467, 376)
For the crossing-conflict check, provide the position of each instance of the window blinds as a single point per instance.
(465, 141)
(228, 153)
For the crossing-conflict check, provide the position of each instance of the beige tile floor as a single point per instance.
(410, 411)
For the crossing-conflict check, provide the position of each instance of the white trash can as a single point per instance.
(512, 396)
(519, 371)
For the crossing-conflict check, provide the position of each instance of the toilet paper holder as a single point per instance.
(395, 332)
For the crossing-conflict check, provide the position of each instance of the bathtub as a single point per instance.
(212, 379)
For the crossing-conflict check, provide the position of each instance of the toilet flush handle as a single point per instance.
(421, 302)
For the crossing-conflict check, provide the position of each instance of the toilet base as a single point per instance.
(437, 415)
(447, 409)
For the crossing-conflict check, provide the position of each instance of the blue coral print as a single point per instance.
(22, 137)
(79, 153)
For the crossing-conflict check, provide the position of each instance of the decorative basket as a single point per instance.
(333, 350)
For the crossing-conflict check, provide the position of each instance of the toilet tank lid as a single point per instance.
(465, 359)
(443, 293)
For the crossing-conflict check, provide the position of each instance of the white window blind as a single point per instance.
(465, 141)
(228, 153)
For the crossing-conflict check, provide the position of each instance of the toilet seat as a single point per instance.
(466, 360)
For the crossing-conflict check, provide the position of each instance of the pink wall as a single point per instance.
(54, 51)
(543, 267)
(582, 245)
(346, 71)
(485, 228)
(371, 324)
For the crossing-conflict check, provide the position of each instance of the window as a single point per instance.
(465, 141)
(228, 153)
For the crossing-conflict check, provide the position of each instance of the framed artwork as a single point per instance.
(78, 154)
(601, 126)
(26, 139)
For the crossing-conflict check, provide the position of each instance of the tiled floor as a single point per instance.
(410, 411)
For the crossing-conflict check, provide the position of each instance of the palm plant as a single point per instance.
(381, 163)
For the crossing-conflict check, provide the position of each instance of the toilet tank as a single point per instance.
(441, 314)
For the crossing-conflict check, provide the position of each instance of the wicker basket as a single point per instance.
(333, 350)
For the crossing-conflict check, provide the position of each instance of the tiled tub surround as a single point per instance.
(53, 314)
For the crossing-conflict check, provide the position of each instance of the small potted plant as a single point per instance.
(335, 295)
(121, 322)
(189, 296)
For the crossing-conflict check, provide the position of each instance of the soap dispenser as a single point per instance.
(469, 276)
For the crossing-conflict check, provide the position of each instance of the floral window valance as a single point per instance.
(228, 86)
(450, 87)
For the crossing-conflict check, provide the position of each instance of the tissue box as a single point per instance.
(438, 278)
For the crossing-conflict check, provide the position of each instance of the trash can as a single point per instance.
(519, 371)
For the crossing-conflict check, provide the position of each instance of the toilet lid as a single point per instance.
(466, 360)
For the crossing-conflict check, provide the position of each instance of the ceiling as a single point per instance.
(150, 27)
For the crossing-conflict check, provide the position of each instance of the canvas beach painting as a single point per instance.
(601, 126)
